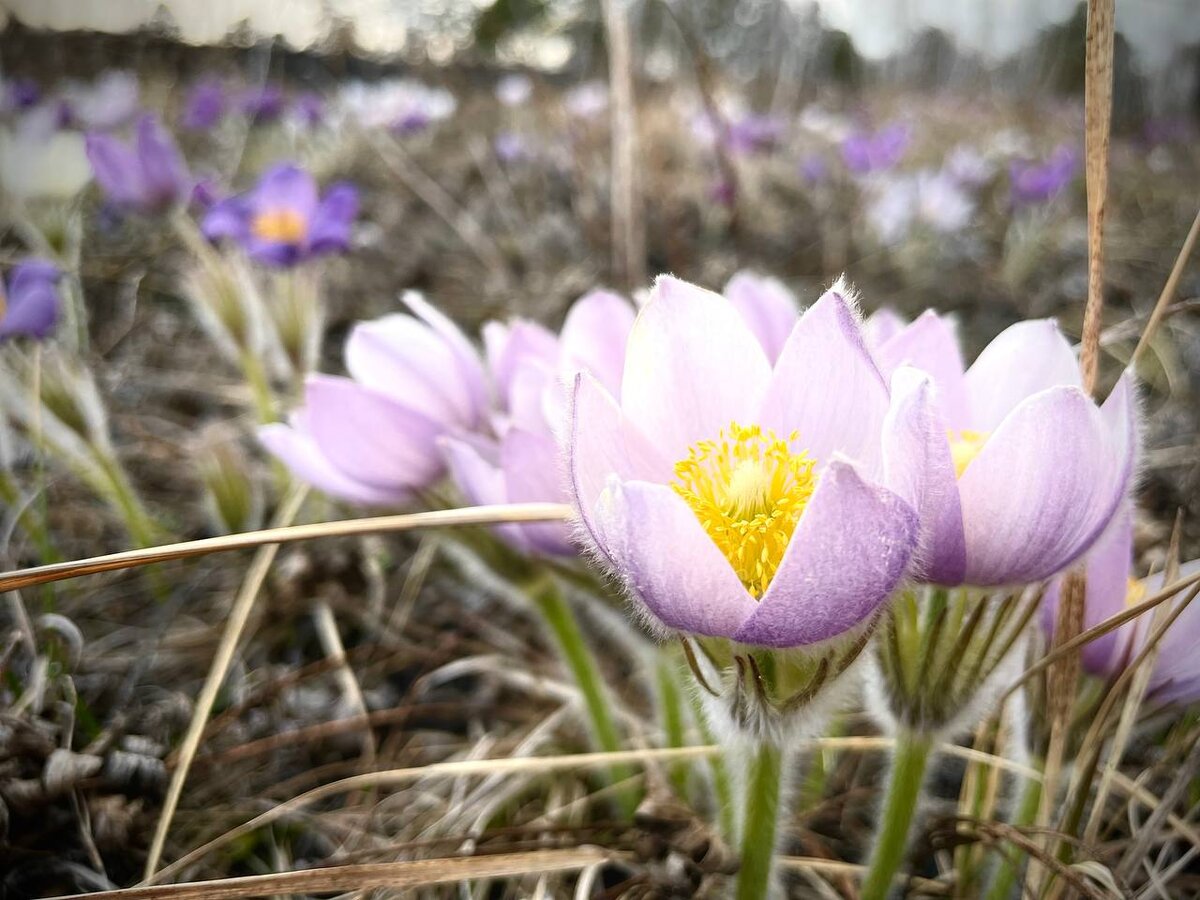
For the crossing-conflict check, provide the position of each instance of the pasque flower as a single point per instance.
(30, 304)
(372, 438)
(1037, 182)
(284, 221)
(740, 500)
(873, 151)
(146, 176)
(769, 309)
(205, 106)
(1110, 589)
(530, 367)
(1025, 470)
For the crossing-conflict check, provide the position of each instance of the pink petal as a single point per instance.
(882, 325)
(470, 366)
(1021, 361)
(668, 562)
(594, 336)
(931, 344)
(296, 449)
(768, 307)
(848, 553)
(691, 367)
(533, 473)
(827, 387)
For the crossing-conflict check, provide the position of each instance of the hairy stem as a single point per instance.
(761, 822)
(899, 810)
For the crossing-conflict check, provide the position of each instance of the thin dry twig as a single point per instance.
(1168, 291)
(442, 518)
(628, 230)
(239, 614)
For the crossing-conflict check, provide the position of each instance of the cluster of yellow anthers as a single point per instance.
(964, 447)
(283, 225)
(748, 488)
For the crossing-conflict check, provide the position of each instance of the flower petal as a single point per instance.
(286, 187)
(1043, 487)
(827, 387)
(930, 344)
(164, 171)
(295, 448)
(882, 325)
(668, 562)
(594, 336)
(334, 219)
(601, 442)
(692, 366)
(918, 467)
(848, 553)
(768, 307)
(470, 366)
(1023, 359)
(371, 437)
(117, 170)
(533, 474)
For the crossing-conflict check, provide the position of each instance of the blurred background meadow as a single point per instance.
(504, 159)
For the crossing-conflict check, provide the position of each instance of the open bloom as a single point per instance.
(530, 367)
(146, 176)
(1111, 589)
(372, 438)
(1025, 470)
(741, 500)
(283, 221)
(768, 307)
(1037, 182)
(205, 106)
(30, 304)
(403, 106)
(934, 199)
(867, 151)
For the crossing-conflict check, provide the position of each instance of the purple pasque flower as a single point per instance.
(767, 306)
(873, 151)
(30, 304)
(263, 103)
(1110, 590)
(148, 175)
(308, 108)
(530, 367)
(746, 134)
(372, 438)
(284, 221)
(882, 325)
(109, 102)
(19, 94)
(1038, 182)
(587, 100)
(205, 106)
(733, 502)
(1024, 470)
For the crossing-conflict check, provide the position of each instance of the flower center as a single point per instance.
(748, 488)
(964, 447)
(1135, 592)
(285, 226)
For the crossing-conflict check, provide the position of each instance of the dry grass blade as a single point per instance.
(442, 518)
(410, 874)
(1168, 291)
(1098, 68)
(628, 238)
(239, 613)
(833, 867)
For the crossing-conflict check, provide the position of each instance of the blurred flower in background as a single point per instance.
(30, 304)
(284, 220)
(263, 103)
(514, 90)
(205, 106)
(873, 151)
(147, 176)
(587, 100)
(112, 100)
(1038, 182)
(403, 106)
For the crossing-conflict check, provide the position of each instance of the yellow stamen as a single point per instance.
(964, 447)
(283, 225)
(1135, 592)
(748, 488)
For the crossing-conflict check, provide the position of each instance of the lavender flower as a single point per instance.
(148, 176)
(401, 105)
(19, 94)
(308, 108)
(206, 104)
(372, 438)
(264, 103)
(511, 147)
(1024, 471)
(514, 90)
(1034, 182)
(730, 503)
(768, 308)
(109, 102)
(283, 221)
(865, 151)
(587, 100)
(30, 305)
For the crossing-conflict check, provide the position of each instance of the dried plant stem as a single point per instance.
(335, 650)
(628, 230)
(905, 780)
(234, 626)
(130, 559)
(1168, 291)
(760, 824)
(1098, 68)
(1028, 804)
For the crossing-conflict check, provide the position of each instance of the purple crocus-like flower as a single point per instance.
(30, 305)
(283, 221)
(1024, 471)
(20, 94)
(867, 151)
(147, 176)
(308, 108)
(731, 501)
(109, 102)
(767, 306)
(1110, 590)
(372, 438)
(530, 367)
(1039, 182)
(206, 104)
(265, 103)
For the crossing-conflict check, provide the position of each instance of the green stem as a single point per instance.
(260, 387)
(722, 787)
(899, 810)
(1005, 876)
(671, 701)
(561, 620)
(761, 822)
